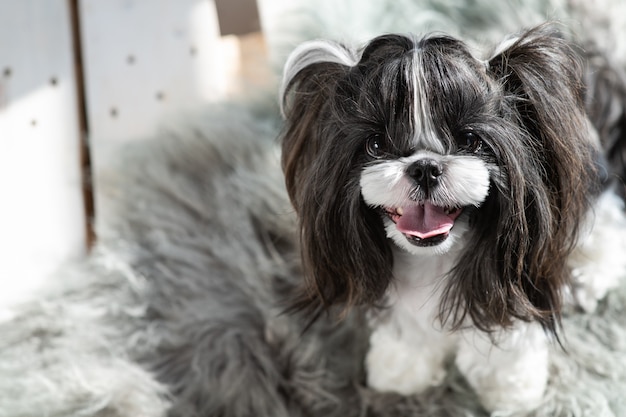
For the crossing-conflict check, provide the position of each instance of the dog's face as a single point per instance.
(428, 119)
(426, 199)
(417, 143)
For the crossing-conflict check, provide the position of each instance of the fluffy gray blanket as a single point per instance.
(179, 309)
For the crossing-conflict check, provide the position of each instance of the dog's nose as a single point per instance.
(425, 172)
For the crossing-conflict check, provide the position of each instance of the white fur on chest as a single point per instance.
(418, 280)
(408, 346)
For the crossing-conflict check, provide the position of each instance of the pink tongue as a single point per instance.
(424, 221)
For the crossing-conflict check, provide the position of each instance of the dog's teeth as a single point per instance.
(400, 211)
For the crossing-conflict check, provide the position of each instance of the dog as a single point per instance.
(465, 201)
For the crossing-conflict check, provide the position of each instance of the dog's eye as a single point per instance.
(470, 142)
(375, 146)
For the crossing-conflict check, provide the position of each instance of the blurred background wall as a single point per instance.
(80, 77)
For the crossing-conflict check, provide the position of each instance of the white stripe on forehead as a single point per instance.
(425, 135)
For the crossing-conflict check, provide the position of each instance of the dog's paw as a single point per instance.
(509, 392)
(598, 263)
(395, 366)
(509, 378)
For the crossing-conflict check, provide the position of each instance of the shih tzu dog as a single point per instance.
(465, 201)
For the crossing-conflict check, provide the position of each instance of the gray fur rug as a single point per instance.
(178, 310)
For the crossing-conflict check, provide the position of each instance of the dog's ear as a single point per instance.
(548, 176)
(309, 80)
(344, 253)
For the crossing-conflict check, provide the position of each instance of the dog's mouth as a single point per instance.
(424, 224)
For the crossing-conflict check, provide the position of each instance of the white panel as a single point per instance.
(41, 211)
(146, 60)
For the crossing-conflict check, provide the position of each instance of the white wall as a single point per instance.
(143, 61)
(41, 211)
